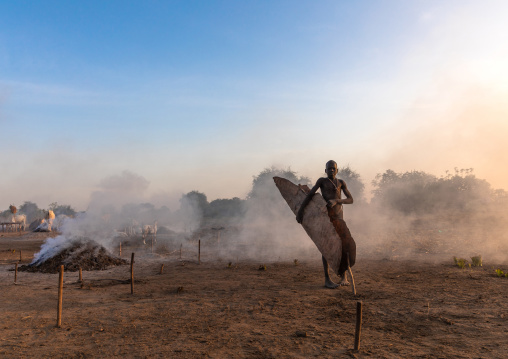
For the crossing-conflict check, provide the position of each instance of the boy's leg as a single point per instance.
(348, 248)
(328, 282)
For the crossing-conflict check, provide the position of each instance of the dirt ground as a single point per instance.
(212, 309)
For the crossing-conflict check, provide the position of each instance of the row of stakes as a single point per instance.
(61, 272)
(358, 326)
(60, 288)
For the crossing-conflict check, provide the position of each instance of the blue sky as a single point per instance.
(205, 94)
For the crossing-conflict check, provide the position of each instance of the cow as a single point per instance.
(21, 219)
(15, 218)
(47, 223)
(149, 230)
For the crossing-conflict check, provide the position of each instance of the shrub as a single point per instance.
(460, 262)
(477, 261)
(499, 273)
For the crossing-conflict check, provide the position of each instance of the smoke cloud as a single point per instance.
(107, 212)
(412, 215)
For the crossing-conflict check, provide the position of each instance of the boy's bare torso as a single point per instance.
(331, 190)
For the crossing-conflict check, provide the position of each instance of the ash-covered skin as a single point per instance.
(331, 190)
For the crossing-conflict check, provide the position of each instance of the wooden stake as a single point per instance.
(15, 272)
(199, 251)
(162, 267)
(80, 275)
(20, 256)
(60, 294)
(353, 287)
(120, 250)
(132, 273)
(358, 329)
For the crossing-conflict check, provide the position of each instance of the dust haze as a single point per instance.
(412, 215)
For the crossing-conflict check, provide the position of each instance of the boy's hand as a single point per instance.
(333, 202)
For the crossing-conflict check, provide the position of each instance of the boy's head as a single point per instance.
(331, 169)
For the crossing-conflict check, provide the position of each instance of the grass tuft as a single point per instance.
(461, 262)
(477, 261)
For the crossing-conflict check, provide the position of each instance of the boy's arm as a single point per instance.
(349, 197)
(347, 200)
(299, 216)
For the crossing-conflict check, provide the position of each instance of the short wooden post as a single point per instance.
(20, 257)
(162, 267)
(199, 251)
(120, 250)
(60, 294)
(15, 272)
(80, 275)
(358, 329)
(132, 273)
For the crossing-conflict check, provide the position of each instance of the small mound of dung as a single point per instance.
(88, 256)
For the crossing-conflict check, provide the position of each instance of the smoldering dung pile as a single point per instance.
(88, 255)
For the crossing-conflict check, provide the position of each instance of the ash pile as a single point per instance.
(88, 255)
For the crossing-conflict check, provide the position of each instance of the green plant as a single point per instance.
(477, 261)
(500, 273)
(460, 262)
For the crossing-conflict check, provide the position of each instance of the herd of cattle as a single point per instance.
(15, 218)
(48, 224)
(135, 229)
(54, 223)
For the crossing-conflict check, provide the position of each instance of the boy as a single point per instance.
(331, 189)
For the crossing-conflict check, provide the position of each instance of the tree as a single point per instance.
(405, 192)
(263, 185)
(197, 200)
(461, 191)
(62, 209)
(264, 201)
(65, 210)
(32, 211)
(6, 214)
(226, 208)
(420, 192)
(353, 182)
(52, 206)
(193, 207)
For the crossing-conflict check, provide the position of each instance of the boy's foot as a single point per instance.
(343, 281)
(330, 284)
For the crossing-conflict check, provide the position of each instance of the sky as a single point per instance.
(166, 97)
